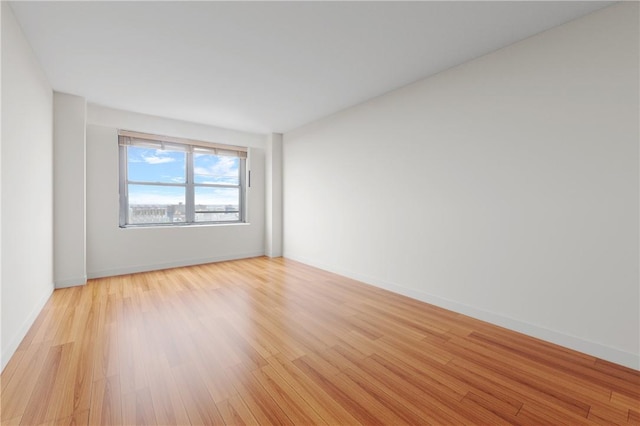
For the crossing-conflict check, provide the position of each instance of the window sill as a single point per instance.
(183, 226)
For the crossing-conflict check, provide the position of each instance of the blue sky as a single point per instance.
(153, 165)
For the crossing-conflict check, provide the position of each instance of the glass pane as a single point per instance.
(156, 204)
(209, 168)
(156, 165)
(217, 204)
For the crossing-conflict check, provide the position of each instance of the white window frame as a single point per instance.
(128, 138)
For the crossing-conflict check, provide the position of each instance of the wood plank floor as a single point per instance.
(272, 341)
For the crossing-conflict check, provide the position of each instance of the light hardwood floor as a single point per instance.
(272, 341)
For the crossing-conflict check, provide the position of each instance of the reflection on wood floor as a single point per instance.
(273, 341)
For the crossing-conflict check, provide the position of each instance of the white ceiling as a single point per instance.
(266, 66)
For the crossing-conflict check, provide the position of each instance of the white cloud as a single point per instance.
(225, 166)
(156, 156)
(154, 159)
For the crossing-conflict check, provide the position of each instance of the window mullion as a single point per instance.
(241, 190)
(190, 209)
(124, 186)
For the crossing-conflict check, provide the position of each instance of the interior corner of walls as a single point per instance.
(69, 139)
(273, 253)
(71, 282)
(273, 195)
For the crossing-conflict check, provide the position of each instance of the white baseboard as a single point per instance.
(15, 341)
(578, 344)
(71, 282)
(168, 265)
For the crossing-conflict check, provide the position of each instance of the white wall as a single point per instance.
(2, 358)
(27, 213)
(505, 188)
(69, 128)
(113, 250)
(273, 196)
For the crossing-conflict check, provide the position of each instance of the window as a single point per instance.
(171, 181)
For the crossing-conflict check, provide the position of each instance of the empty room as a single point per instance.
(339, 213)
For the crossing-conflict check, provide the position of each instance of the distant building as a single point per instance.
(156, 213)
